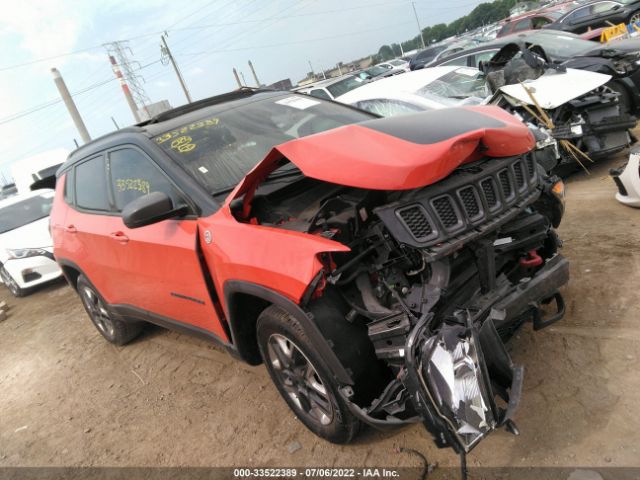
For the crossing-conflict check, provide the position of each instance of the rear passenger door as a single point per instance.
(88, 222)
(157, 266)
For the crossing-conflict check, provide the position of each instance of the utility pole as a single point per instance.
(235, 74)
(418, 22)
(164, 49)
(311, 67)
(255, 77)
(125, 88)
(70, 104)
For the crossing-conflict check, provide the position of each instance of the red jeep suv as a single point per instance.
(374, 265)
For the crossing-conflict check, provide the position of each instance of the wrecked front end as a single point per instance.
(576, 107)
(449, 252)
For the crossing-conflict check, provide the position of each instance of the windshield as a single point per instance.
(220, 149)
(26, 211)
(344, 86)
(560, 46)
(397, 63)
(461, 83)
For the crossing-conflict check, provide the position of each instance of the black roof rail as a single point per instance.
(205, 102)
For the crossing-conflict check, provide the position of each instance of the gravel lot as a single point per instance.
(69, 398)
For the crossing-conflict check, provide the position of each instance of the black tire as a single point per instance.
(11, 284)
(115, 330)
(274, 325)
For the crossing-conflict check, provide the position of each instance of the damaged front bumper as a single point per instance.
(459, 377)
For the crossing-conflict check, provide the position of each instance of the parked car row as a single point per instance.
(375, 252)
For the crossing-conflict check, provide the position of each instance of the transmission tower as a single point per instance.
(125, 68)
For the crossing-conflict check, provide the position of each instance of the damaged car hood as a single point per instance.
(556, 88)
(401, 153)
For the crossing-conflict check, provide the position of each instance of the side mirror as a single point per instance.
(151, 208)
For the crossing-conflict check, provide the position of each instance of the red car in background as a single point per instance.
(529, 21)
(374, 265)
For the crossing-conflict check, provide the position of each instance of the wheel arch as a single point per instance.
(245, 301)
(71, 272)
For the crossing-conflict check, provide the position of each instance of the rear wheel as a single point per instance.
(113, 329)
(634, 18)
(11, 284)
(303, 378)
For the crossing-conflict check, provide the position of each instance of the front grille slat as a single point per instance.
(519, 174)
(470, 202)
(505, 184)
(490, 194)
(415, 219)
(446, 212)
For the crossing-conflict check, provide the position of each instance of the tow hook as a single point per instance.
(532, 260)
(539, 322)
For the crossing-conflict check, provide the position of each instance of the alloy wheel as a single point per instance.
(8, 280)
(635, 18)
(299, 378)
(97, 311)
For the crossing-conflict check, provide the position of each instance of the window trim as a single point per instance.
(185, 198)
(75, 205)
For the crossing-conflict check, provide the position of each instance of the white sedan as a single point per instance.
(426, 89)
(26, 248)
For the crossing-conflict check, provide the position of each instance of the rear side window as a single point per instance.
(91, 185)
(134, 175)
(320, 94)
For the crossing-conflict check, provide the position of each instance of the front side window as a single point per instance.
(344, 86)
(91, 185)
(522, 25)
(134, 175)
(25, 211)
(220, 148)
(456, 62)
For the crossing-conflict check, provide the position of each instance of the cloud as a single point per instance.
(195, 71)
(41, 27)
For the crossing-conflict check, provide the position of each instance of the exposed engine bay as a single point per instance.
(436, 279)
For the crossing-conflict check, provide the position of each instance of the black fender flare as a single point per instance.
(232, 287)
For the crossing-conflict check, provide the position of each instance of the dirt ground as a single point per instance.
(69, 398)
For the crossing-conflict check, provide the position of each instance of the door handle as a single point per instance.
(70, 229)
(119, 237)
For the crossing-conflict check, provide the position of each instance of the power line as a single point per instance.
(158, 32)
(36, 108)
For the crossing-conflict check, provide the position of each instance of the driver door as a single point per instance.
(158, 264)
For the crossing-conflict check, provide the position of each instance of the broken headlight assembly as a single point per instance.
(459, 374)
(457, 384)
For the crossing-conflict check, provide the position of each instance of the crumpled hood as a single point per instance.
(556, 88)
(402, 152)
(32, 235)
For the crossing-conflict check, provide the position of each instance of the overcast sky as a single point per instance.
(208, 38)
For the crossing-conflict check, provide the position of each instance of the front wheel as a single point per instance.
(303, 378)
(11, 284)
(634, 18)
